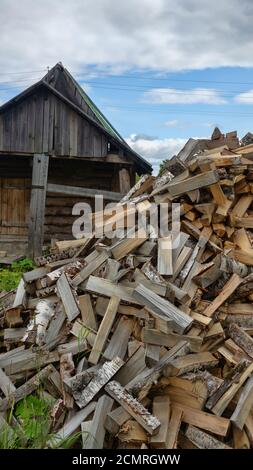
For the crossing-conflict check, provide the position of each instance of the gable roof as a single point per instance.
(61, 83)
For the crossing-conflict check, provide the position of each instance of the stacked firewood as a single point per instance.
(144, 342)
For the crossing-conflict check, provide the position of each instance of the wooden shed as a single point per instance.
(56, 148)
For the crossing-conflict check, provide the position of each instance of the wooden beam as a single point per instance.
(108, 288)
(133, 407)
(161, 409)
(26, 389)
(241, 338)
(164, 263)
(195, 182)
(203, 440)
(83, 192)
(244, 405)
(37, 205)
(6, 384)
(96, 435)
(181, 321)
(207, 421)
(67, 297)
(124, 181)
(103, 375)
(173, 429)
(227, 290)
(71, 426)
(104, 330)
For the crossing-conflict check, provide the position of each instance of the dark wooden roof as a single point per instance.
(60, 83)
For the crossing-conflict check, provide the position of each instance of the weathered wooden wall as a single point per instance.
(42, 123)
(15, 190)
(58, 214)
(15, 193)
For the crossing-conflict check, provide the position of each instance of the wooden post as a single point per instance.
(37, 204)
(124, 181)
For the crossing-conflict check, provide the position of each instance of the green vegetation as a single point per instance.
(35, 427)
(162, 167)
(33, 415)
(10, 277)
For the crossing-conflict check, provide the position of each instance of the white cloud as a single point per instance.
(165, 35)
(245, 97)
(171, 123)
(155, 150)
(175, 96)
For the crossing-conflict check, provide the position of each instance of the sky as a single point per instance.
(161, 71)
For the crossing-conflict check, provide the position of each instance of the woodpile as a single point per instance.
(144, 342)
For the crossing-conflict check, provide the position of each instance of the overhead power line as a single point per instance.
(134, 76)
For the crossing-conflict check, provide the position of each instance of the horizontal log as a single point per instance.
(82, 192)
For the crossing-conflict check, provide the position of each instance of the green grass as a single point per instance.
(10, 277)
(33, 415)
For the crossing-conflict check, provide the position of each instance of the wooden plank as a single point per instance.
(20, 299)
(37, 204)
(184, 364)
(104, 374)
(128, 245)
(150, 423)
(195, 182)
(119, 340)
(161, 409)
(26, 389)
(241, 338)
(132, 367)
(140, 384)
(243, 222)
(35, 274)
(203, 440)
(240, 308)
(164, 260)
(240, 438)
(244, 257)
(242, 205)
(55, 324)
(227, 290)
(216, 189)
(67, 244)
(68, 300)
(104, 330)
(244, 405)
(29, 360)
(181, 321)
(241, 239)
(90, 268)
(82, 192)
(87, 312)
(6, 384)
(67, 369)
(181, 261)
(124, 181)
(71, 426)
(95, 438)
(174, 427)
(115, 419)
(13, 335)
(141, 278)
(229, 394)
(152, 354)
(153, 336)
(108, 288)
(203, 420)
